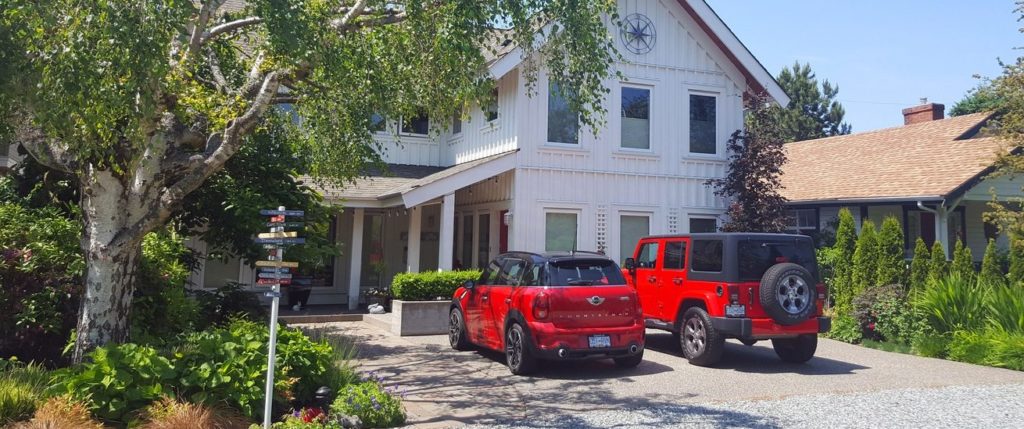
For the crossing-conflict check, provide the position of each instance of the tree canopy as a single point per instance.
(982, 98)
(812, 112)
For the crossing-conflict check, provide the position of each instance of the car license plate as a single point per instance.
(735, 310)
(600, 341)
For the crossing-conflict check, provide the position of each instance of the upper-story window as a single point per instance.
(703, 124)
(491, 109)
(377, 123)
(419, 124)
(563, 120)
(636, 118)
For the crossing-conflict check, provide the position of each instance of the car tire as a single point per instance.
(630, 361)
(518, 355)
(788, 294)
(702, 344)
(457, 330)
(796, 350)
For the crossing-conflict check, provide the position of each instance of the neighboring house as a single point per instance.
(522, 174)
(929, 174)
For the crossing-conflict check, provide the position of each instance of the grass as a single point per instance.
(20, 389)
(887, 346)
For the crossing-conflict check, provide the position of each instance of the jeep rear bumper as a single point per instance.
(742, 327)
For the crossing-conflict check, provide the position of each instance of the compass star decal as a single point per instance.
(638, 34)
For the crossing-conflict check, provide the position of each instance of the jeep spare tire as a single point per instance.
(788, 293)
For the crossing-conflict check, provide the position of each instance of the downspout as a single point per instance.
(941, 221)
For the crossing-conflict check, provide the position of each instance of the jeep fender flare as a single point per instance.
(707, 299)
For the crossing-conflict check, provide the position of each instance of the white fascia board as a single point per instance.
(450, 184)
(512, 59)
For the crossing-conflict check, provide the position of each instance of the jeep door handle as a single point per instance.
(652, 279)
(484, 297)
(677, 281)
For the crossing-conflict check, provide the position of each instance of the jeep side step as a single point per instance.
(658, 324)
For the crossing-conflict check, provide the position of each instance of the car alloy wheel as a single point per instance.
(695, 336)
(514, 349)
(455, 328)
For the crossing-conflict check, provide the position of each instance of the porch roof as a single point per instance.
(412, 185)
(926, 161)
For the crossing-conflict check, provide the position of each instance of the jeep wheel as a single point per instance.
(788, 293)
(702, 345)
(796, 350)
(630, 361)
(457, 330)
(517, 351)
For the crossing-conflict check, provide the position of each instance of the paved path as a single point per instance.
(446, 388)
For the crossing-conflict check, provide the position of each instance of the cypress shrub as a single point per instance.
(865, 258)
(892, 266)
(842, 271)
(963, 263)
(991, 272)
(919, 267)
(1016, 274)
(939, 265)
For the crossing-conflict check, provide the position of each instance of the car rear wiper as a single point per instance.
(581, 282)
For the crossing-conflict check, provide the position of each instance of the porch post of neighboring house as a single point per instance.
(942, 229)
(415, 226)
(355, 259)
(447, 239)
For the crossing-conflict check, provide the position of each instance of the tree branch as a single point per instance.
(227, 27)
(218, 75)
(46, 150)
(199, 27)
(357, 9)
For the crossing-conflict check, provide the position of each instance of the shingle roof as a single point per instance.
(929, 159)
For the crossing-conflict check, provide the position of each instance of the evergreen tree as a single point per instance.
(982, 98)
(919, 266)
(865, 258)
(939, 266)
(1016, 274)
(963, 262)
(892, 265)
(812, 113)
(842, 272)
(991, 271)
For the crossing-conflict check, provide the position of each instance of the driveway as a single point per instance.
(851, 386)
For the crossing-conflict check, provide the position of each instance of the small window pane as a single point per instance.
(698, 225)
(707, 255)
(648, 255)
(491, 109)
(675, 255)
(377, 122)
(559, 231)
(419, 124)
(631, 230)
(563, 121)
(457, 123)
(702, 124)
(636, 118)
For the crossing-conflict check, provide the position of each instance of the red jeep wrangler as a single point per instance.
(708, 287)
(556, 306)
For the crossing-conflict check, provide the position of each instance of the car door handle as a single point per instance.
(508, 300)
(652, 279)
(677, 281)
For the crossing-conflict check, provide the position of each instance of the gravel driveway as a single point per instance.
(843, 386)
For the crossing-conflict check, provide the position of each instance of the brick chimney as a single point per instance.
(923, 113)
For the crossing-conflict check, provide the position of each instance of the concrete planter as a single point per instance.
(419, 317)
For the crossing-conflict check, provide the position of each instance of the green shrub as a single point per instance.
(991, 267)
(1006, 309)
(298, 422)
(865, 259)
(431, 285)
(920, 265)
(963, 263)
(939, 265)
(227, 303)
(161, 309)
(1006, 350)
(892, 266)
(929, 343)
(118, 379)
(1016, 273)
(373, 405)
(21, 388)
(884, 314)
(969, 346)
(846, 329)
(954, 304)
(841, 261)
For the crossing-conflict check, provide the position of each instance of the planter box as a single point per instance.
(419, 317)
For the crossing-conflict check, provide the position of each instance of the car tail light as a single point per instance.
(541, 306)
(734, 294)
(821, 292)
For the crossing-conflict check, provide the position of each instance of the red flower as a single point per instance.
(871, 326)
(310, 415)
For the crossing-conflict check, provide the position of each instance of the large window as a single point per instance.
(560, 231)
(802, 221)
(631, 229)
(419, 124)
(563, 120)
(703, 224)
(636, 118)
(703, 135)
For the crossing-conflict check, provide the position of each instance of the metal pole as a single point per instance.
(272, 346)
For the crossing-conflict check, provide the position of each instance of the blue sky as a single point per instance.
(884, 55)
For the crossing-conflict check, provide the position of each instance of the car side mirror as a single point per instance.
(469, 285)
(630, 265)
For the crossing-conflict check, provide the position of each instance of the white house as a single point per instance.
(523, 175)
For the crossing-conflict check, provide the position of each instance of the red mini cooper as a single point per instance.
(555, 306)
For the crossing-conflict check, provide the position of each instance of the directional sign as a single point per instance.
(277, 218)
(282, 224)
(296, 213)
(277, 263)
(274, 270)
(281, 234)
(274, 276)
(279, 241)
(273, 281)
(272, 294)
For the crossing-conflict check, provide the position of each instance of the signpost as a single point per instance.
(276, 272)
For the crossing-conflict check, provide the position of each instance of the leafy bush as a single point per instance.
(929, 343)
(61, 412)
(963, 263)
(892, 267)
(920, 265)
(968, 346)
(431, 285)
(939, 266)
(883, 314)
(227, 303)
(161, 308)
(172, 414)
(371, 403)
(846, 329)
(20, 388)
(993, 347)
(954, 304)
(1006, 305)
(840, 258)
(992, 267)
(865, 259)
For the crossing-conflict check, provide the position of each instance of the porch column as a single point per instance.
(447, 239)
(415, 226)
(942, 229)
(355, 259)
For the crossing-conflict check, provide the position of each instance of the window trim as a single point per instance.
(719, 153)
(634, 213)
(547, 121)
(700, 216)
(650, 118)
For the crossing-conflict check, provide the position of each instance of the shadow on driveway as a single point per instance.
(760, 358)
(600, 369)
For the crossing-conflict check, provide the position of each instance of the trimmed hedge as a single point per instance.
(431, 285)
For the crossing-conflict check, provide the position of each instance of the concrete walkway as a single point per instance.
(445, 388)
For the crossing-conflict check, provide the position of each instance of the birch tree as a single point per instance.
(143, 101)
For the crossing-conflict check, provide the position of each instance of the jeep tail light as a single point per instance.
(821, 292)
(541, 306)
(734, 294)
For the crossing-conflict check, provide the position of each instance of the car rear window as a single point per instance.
(584, 273)
(756, 256)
